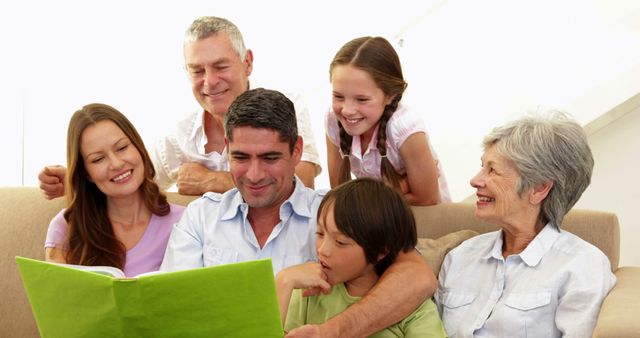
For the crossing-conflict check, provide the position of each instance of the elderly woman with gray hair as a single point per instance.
(530, 279)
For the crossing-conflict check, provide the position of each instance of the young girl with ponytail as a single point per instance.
(370, 134)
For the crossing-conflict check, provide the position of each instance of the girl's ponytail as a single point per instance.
(387, 171)
(345, 147)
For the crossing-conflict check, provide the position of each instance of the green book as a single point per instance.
(233, 300)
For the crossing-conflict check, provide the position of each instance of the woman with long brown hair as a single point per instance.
(116, 215)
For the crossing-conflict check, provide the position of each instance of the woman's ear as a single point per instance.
(540, 192)
(389, 99)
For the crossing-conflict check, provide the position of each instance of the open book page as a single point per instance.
(103, 270)
(108, 270)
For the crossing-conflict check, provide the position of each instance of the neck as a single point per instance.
(516, 239)
(264, 219)
(366, 137)
(214, 130)
(358, 287)
(128, 211)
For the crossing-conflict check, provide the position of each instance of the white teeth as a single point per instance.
(485, 199)
(352, 121)
(122, 177)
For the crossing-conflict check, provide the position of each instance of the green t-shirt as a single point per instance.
(423, 322)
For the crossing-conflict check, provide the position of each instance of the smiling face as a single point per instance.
(342, 259)
(357, 101)
(262, 166)
(497, 191)
(216, 72)
(112, 162)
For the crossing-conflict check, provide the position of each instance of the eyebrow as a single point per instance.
(261, 155)
(214, 63)
(124, 138)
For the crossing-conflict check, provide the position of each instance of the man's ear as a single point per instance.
(540, 192)
(248, 62)
(297, 150)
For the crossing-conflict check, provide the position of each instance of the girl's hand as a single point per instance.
(305, 276)
(404, 185)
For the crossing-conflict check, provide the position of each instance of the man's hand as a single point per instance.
(52, 181)
(196, 179)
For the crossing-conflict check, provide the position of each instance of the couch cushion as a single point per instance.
(434, 250)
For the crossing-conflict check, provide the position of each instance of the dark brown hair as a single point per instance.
(91, 238)
(374, 215)
(376, 56)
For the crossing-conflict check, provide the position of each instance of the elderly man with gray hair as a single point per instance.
(530, 279)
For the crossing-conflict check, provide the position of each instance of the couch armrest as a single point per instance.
(619, 314)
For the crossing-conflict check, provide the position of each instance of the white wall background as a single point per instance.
(470, 66)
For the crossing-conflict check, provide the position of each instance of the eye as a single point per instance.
(319, 234)
(338, 97)
(270, 159)
(341, 243)
(96, 159)
(123, 148)
(196, 71)
(239, 158)
(362, 100)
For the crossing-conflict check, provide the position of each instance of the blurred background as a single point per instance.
(470, 65)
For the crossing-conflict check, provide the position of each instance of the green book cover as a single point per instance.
(234, 300)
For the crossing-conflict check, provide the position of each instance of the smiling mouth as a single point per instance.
(353, 121)
(122, 177)
(485, 199)
(216, 94)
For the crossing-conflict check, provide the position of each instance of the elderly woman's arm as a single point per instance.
(406, 284)
(584, 292)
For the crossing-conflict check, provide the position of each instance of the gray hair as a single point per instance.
(265, 109)
(206, 26)
(543, 148)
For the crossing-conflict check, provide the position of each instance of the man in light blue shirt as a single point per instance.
(270, 214)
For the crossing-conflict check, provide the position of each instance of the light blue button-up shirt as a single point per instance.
(214, 230)
(553, 288)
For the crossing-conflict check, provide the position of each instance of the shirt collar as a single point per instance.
(540, 245)
(496, 249)
(198, 125)
(298, 202)
(534, 252)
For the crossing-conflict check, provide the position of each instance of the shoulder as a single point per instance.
(175, 212)
(58, 219)
(574, 246)
(403, 123)
(404, 115)
(471, 249)
(480, 241)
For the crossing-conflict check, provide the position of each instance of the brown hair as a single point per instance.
(376, 56)
(91, 238)
(375, 216)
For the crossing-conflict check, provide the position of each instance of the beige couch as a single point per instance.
(24, 216)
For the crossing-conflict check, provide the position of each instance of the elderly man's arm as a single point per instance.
(406, 284)
(306, 172)
(196, 179)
